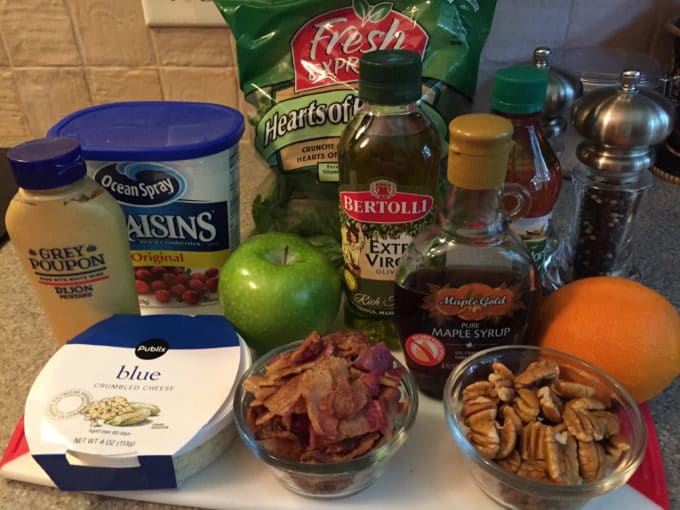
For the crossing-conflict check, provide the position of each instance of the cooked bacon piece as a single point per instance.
(391, 399)
(334, 398)
(372, 418)
(376, 359)
(272, 428)
(285, 399)
(286, 445)
(309, 350)
(372, 383)
(348, 344)
(395, 373)
(260, 386)
(317, 384)
(349, 397)
(352, 447)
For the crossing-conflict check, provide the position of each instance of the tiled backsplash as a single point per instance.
(61, 55)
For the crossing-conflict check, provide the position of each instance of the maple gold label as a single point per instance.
(471, 302)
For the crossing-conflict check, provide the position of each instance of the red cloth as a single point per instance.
(650, 478)
(17, 444)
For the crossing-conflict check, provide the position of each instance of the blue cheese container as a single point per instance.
(136, 402)
(174, 168)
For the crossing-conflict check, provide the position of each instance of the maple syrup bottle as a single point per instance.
(467, 282)
(518, 95)
(388, 158)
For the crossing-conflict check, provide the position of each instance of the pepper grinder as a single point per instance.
(619, 125)
(564, 89)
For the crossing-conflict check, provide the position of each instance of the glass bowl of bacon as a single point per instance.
(326, 414)
(541, 428)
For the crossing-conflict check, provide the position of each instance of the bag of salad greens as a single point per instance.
(298, 65)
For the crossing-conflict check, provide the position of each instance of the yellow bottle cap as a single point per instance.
(478, 150)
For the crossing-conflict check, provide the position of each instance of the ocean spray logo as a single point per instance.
(326, 50)
(141, 184)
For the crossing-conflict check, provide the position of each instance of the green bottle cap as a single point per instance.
(519, 90)
(390, 77)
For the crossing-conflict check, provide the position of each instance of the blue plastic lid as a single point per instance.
(152, 130)
(46, 163)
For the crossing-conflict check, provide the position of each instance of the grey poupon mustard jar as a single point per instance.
(620, 125)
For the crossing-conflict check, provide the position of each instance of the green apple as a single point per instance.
(276, 288)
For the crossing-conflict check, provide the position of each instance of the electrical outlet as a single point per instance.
(182, 13)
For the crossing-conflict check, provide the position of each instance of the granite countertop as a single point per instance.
(27, 342)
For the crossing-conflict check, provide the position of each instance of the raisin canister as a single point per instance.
(620, 126)
(173, 166)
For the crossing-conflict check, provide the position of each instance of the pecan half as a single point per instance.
(555, 457)
(609, 421)
(503, 381)
(511, 462)
(533, 470)
(569, 390)
(592, 460)
(508, 413)
(589, 403)
(500, 369)
(541, 371)
(615, 446)
(485, 438)
(526, 405)
(478, 409)
(503, 387)
(479, 389)
(581, 425)
(551, 405)
(571, 460)
(508, 436)
(531, 441)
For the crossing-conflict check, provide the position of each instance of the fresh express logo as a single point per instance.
(141, 184)
(382, 203)
(326, 50)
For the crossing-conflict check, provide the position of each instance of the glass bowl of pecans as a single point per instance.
(542, 428)
(326, 414)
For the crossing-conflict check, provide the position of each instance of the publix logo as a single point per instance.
(326, 50)
(141, 184)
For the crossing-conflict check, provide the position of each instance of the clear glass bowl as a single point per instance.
(325, 480)
(512, 490)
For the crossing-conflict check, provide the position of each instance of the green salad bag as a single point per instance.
(298, 66)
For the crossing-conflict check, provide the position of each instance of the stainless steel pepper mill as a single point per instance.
(668, 160)
(563, 90)
(620, 126)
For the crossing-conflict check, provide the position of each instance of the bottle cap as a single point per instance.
(479, 147)
(519, 90)
(390, 77)
(46, 163)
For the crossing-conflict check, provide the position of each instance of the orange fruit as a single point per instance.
(627, 329)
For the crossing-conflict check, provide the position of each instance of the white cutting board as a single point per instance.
(429, 472)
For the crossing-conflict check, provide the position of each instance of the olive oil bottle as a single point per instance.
(388, 158)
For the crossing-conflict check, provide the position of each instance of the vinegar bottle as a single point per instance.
(388, 158)
(519, 95)
(467, 282)
(70, 236)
